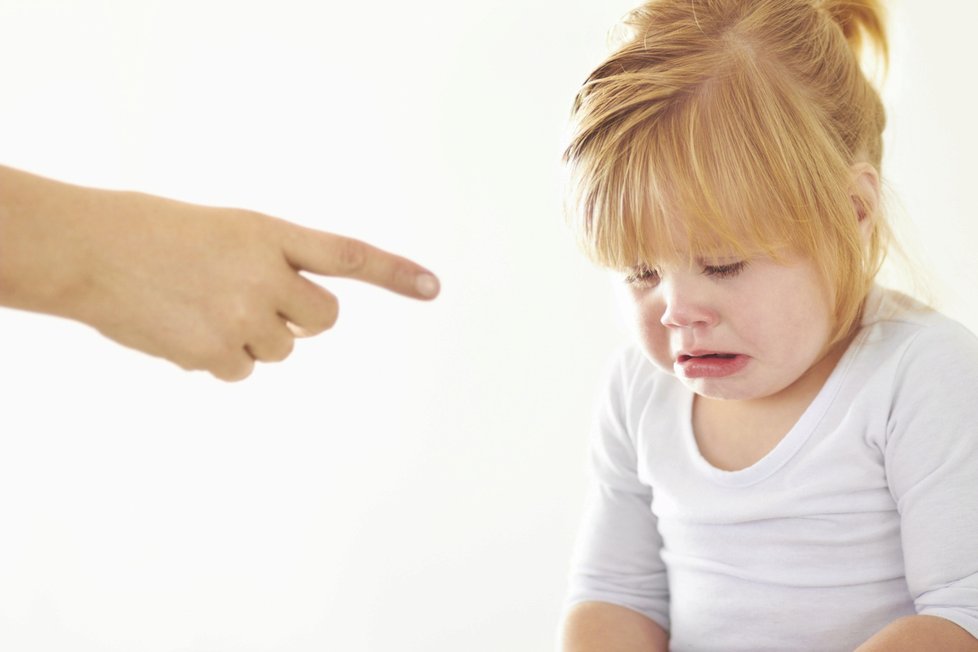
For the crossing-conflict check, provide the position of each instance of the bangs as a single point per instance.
(740, 166)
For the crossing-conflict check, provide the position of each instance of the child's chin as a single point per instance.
(722, 389)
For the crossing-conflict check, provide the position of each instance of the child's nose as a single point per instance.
(687, 303)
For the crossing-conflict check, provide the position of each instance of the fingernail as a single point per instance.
(426, 285)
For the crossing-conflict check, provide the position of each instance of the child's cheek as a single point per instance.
(654, 339)
(642, 312)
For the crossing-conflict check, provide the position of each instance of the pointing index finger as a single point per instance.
(328, 254)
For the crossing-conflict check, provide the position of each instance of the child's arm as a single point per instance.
(619, 594)
(915, 633)
(931, 464)
(602, 627)
(207, 288)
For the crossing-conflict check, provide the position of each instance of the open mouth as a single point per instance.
(710, 365)
(721, 356)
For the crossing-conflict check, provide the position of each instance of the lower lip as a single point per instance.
(712, 367)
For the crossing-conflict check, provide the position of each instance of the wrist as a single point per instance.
(42, 252)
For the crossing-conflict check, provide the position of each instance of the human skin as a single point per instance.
(915, 633)
(212, 289)
(772, 323)
(776, 318)
(603, 627)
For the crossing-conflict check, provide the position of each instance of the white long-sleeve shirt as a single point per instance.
(866, 511)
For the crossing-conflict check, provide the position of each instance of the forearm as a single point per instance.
(603, 627)
(40, 244)
(921, 633)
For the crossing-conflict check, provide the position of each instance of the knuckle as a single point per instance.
(233, 372)
(239, 319)
(330, 315)
(226, 359)
(399, 277)
(192, 358)
(352, 255)
(320, 313)
(289, 347)
(254, 223)
(283, 350)
(217, 353)
(241, 372)
(209, 353)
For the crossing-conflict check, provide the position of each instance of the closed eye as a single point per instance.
(643, 277)
(725, 271)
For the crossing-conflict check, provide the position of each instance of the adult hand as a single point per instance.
(207, 288)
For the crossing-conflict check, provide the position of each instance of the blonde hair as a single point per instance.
(732, 125)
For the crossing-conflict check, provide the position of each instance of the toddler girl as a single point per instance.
(788, 459)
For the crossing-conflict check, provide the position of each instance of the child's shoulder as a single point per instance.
(885, 306)
(911, 329)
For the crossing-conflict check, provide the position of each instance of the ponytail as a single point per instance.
(863, 24)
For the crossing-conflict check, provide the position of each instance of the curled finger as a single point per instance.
(307, 308)
(274, 342)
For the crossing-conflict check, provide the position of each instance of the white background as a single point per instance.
(411, 480)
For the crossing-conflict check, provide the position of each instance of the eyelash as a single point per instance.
(650, 277)
(643, 276)
(725, 271)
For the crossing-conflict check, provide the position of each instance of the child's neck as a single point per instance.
(733, 435)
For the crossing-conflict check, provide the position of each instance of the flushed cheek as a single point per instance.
(655, 342)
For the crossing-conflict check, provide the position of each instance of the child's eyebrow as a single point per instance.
(714, 260)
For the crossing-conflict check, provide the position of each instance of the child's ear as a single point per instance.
(865, 195)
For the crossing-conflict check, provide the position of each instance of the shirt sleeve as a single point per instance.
(617, 558)
(931, 462)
